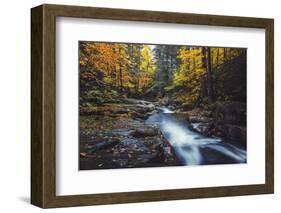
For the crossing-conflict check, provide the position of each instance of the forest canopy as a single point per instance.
(183, 74)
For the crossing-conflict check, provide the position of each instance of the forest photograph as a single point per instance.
(157, 105)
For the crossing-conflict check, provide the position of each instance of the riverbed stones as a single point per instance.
(123, 140)
(107, 143)
(156, 157)
(200, 119)
(142, 116)
(186, 106)
(230, 112)
(234, 133)
(164, 101)
(226, 120)
(145, 132)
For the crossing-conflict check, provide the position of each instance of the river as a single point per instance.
(191, 147)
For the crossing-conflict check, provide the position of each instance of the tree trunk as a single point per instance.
(209, 77)
(217, 57)
(137, 85)
(120, 73)
(203, 91)
(224, 54)
(121, 78)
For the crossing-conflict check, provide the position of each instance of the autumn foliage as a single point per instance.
(195, 75)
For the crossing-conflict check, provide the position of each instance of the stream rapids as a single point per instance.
(191, 147)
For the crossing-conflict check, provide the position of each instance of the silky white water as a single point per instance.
(166, 110)
(193, 148)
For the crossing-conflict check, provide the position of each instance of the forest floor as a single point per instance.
(115, 135)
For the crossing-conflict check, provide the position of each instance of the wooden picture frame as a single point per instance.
(43, 105)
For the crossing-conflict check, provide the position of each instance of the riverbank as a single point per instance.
(226, 120)
(138, 133)
(116, 136)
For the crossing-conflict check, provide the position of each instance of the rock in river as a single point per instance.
(144, 132)
(104, 144)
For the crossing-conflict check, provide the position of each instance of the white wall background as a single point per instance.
(15, 105)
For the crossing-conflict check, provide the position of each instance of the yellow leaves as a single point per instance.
(82, 62)
(222, 54)
(130, 66)
(192, 53)
(192, 67)
(147, 67)
(107, 80)
(190, 72)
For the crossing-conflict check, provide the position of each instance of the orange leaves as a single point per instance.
(101, 56)
(118, 63)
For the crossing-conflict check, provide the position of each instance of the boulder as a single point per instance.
(83, 154)
(120, 163)
(143, 116)
(104, 144)
(230, 112)
(164, 101)
(234, 133)
(135, 101)
(140, 109)
(187, 106)
(200, 119)
(144, 132)
(207, 129)
(156, 157)
(119, 111)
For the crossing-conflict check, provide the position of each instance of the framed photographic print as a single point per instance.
(136, 106)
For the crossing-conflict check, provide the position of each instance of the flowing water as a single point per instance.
(191, 147)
